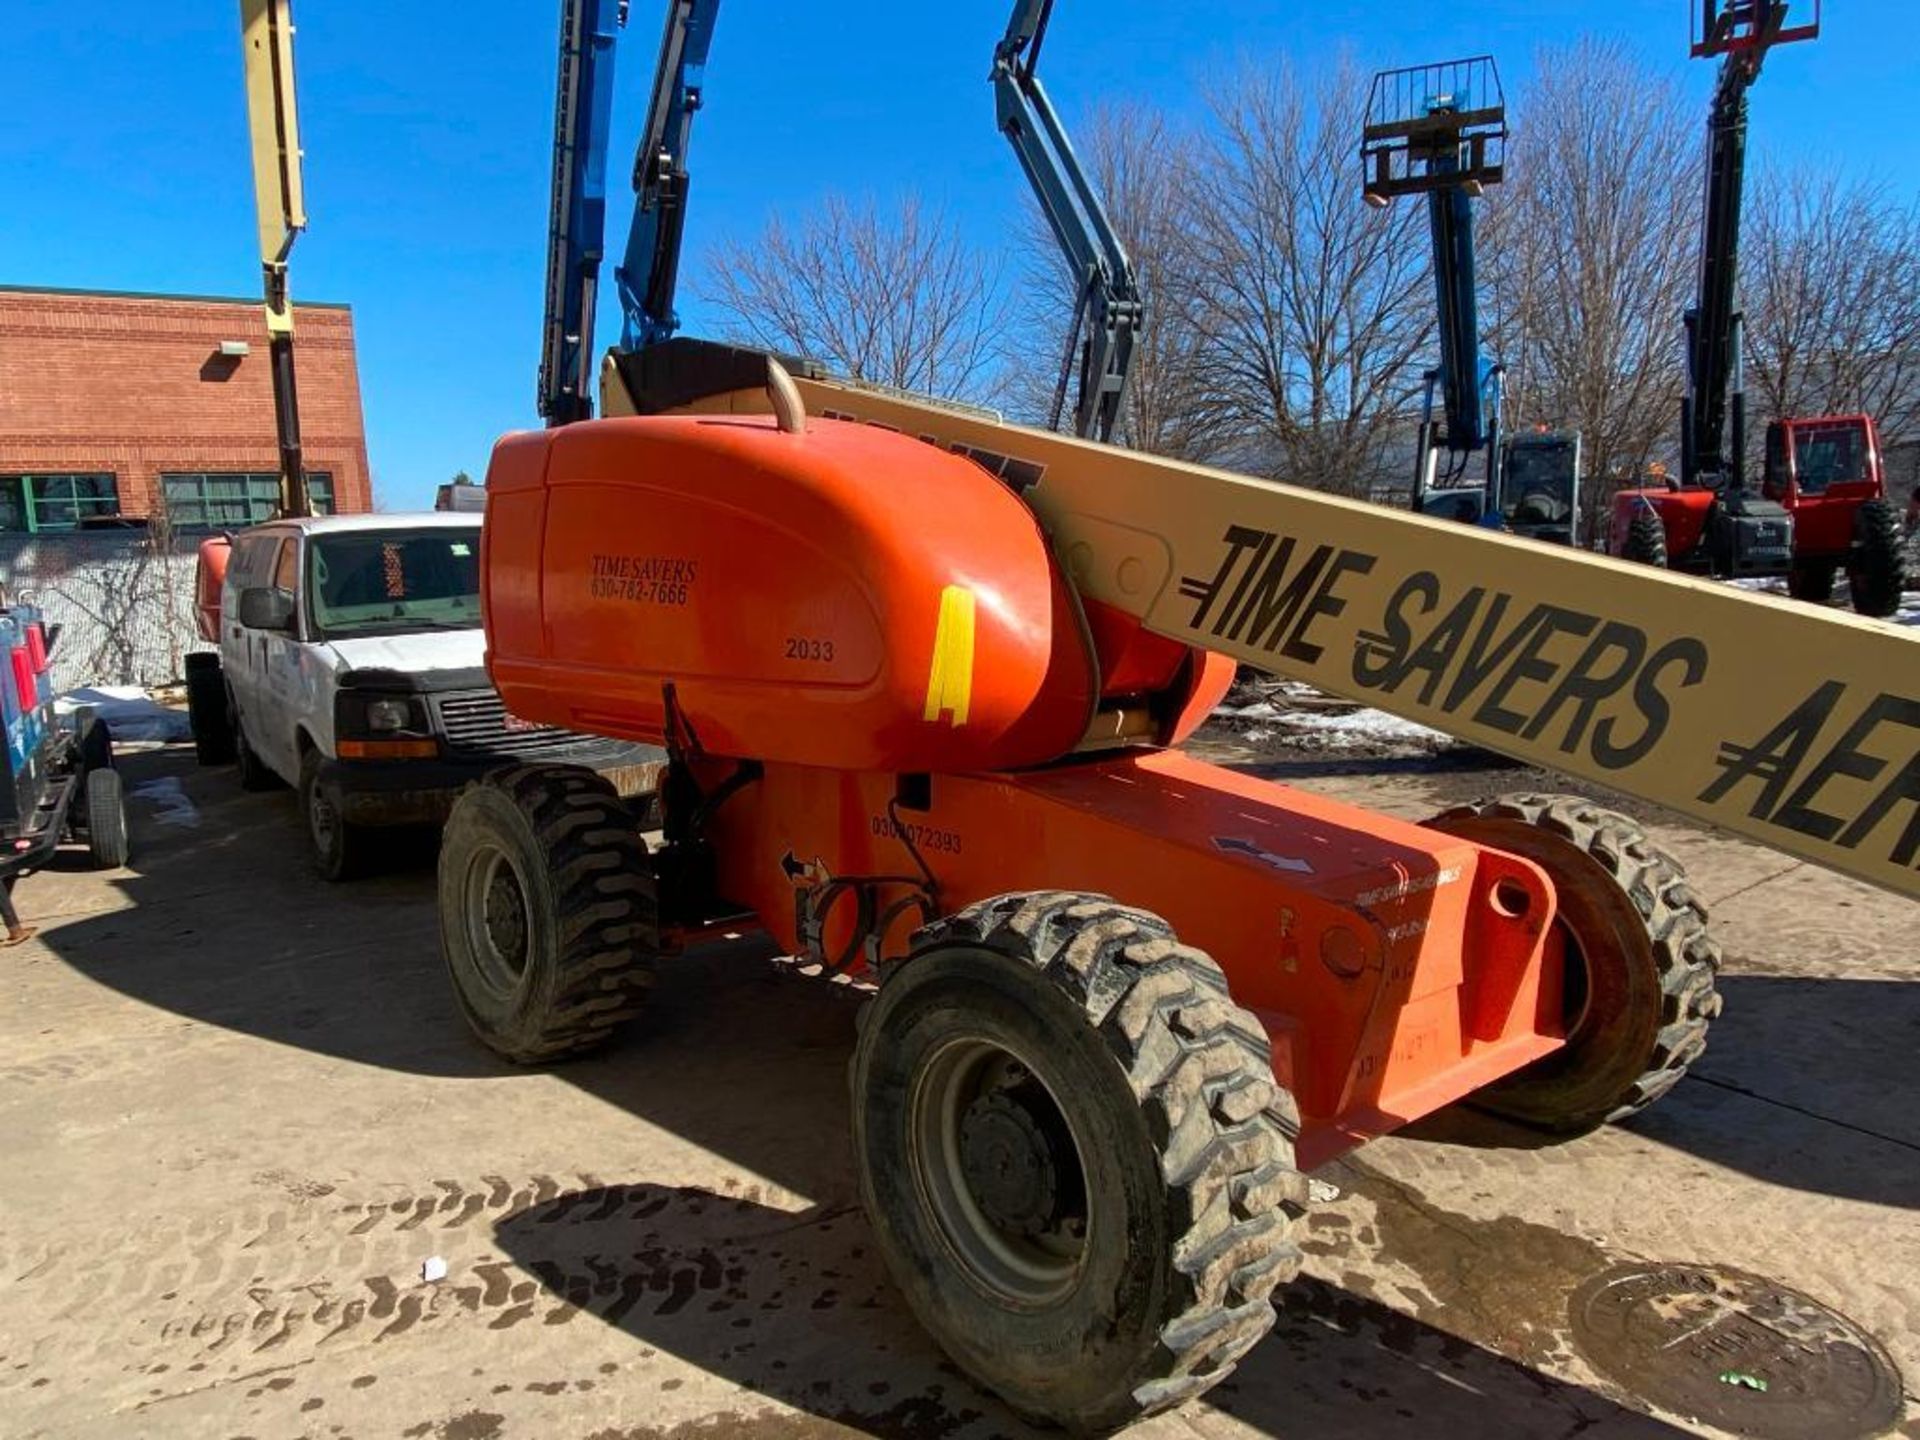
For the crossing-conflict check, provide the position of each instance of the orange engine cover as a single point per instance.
(844, 597)
(209, 575)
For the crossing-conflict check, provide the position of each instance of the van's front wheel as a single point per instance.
(339, 849)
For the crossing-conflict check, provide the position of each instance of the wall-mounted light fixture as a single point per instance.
(235, 348)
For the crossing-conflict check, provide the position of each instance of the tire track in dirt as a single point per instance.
(224, 1296)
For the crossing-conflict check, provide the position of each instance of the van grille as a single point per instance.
(478, 722)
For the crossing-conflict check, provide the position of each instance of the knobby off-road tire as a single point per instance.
(1075, 1159)
(207, 709)
(1877, 563)
(547, 908)
(108, 845)
(1646, 539)
(340, 851)
(1812, 580)
(1640, 964)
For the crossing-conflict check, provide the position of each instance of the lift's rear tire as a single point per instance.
(1646, 541)
(1876, 565)
(107, 843)
(1075, 1159)
(207, 709)
(1640, 964)
(547, 911)
(1812, 580)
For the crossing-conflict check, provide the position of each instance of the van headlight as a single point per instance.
(384, 717)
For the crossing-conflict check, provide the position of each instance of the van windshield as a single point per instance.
(389, 581)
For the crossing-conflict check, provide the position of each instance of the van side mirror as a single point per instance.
(262, 607)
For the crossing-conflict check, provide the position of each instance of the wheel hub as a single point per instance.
(506, 917)
(320, 817)
(1008, 1164)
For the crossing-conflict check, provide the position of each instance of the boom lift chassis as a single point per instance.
(922, 677)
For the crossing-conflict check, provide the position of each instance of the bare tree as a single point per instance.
(1142, 165)
(894, 297)
(1314, 309)
(1832, 291)
(1591, 246)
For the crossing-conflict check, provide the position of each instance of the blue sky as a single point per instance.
(123, 158)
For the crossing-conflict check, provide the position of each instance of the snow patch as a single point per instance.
(1369, 725)
(172, 806)
(128, 712)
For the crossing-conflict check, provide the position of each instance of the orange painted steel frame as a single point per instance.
(846, 607)
(209, 576)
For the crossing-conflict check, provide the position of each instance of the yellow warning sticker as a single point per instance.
(950, 682)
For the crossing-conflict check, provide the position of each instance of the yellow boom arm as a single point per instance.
(273, 123)
(1796, 726)
(279, 201)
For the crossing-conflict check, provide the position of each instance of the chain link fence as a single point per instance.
(123, 600)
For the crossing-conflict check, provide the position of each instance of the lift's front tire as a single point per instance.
(1876, 565)
(1646, 542)
(547, 912)
(1640, 965)
(1075, 1159)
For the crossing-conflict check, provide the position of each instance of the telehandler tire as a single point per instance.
(1646, 542)
(1640, 964)
(1074, 1157)
(1811, 580)
(1877, 562)
(547, 908)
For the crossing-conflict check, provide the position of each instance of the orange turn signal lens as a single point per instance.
(388, 749)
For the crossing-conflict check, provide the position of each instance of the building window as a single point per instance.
(38, 503)
(219, 501)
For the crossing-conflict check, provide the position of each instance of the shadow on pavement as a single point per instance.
(224, 925)
(1806, 1084)
(1309, 765)
(797, 1309)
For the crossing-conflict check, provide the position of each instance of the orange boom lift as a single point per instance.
(923, 676)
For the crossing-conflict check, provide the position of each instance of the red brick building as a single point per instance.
(111, 404)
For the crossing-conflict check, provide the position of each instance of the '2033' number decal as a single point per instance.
(801, 647)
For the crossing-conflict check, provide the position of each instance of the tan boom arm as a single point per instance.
(1796, 726)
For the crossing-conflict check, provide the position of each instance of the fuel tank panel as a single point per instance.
(840, 596)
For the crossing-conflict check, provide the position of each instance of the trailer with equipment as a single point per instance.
(59, 785)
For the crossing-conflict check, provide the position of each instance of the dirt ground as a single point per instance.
(238, 1111)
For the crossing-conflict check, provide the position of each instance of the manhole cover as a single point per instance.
(1736, 1351)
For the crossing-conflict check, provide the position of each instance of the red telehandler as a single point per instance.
(1823, 501)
